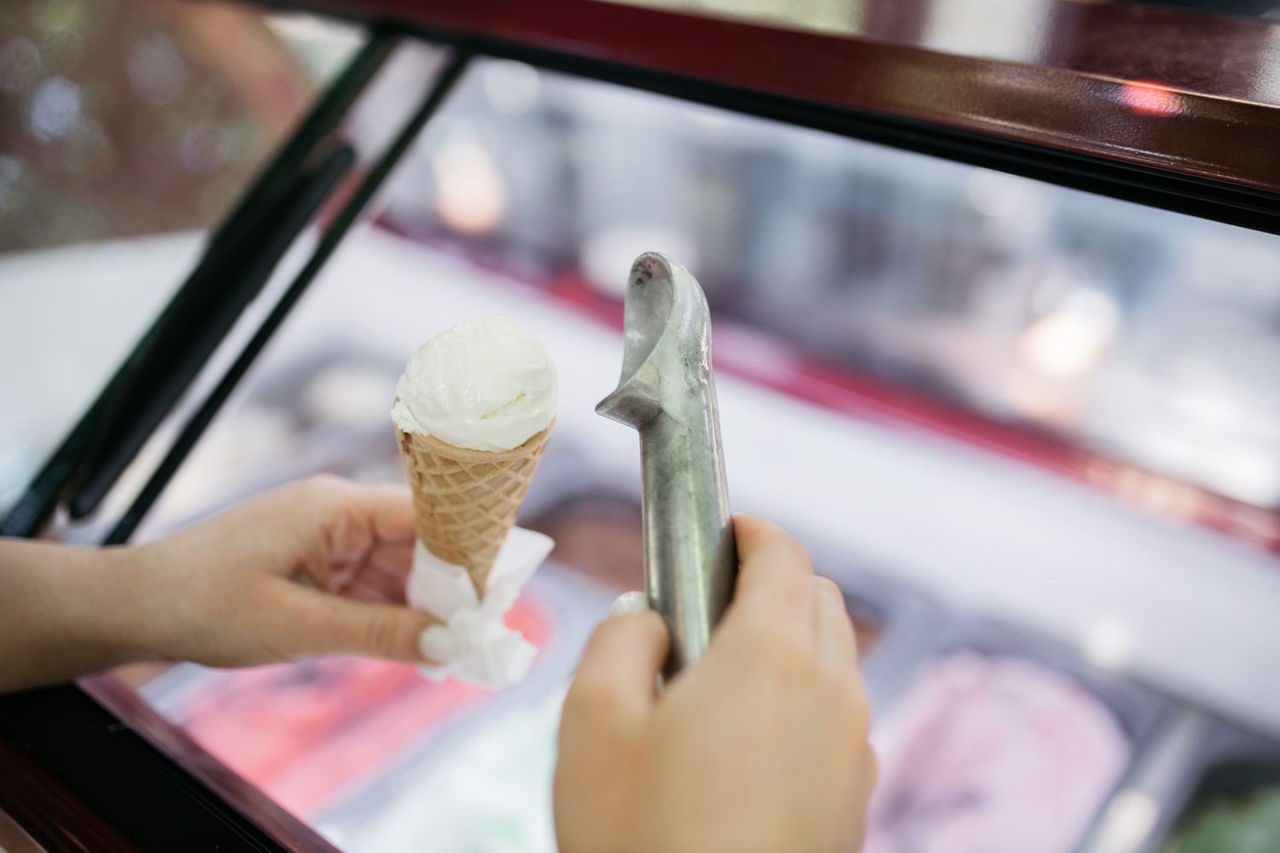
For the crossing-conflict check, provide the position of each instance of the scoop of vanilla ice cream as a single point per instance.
(480, 385)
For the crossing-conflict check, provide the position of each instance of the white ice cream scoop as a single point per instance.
(479, 385)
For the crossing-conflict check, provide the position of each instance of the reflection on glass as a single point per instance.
(309, 734)
(1140, 334)
(829, 15)
(995, 29)
(121, 120)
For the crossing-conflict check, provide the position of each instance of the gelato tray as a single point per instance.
(598, 531)
(1237, 808)
(1001, 742)
(1204, 785)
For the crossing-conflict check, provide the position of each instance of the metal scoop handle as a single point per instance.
(667, 393)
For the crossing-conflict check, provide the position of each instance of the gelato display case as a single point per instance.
(995, 293)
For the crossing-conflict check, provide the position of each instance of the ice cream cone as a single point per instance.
(465, 501)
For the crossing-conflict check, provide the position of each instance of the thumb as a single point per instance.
(618, 674)
(327, 624)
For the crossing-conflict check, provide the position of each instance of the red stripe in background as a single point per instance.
(738, 350)
(308, 733)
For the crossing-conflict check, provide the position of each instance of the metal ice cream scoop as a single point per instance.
(667, 394)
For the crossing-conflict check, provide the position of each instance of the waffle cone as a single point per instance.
(465, 501)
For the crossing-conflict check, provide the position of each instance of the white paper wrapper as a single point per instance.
(473, 644)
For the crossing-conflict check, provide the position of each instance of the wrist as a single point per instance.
(67, 612)
(121, 605)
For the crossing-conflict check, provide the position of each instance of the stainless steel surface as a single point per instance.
(668, 395)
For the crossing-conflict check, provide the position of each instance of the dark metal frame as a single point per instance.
(79, 758)
(1064, 114)
(89, 761)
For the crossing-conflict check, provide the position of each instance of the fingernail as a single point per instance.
(629, 602)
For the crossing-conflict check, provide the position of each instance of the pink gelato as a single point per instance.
(992, 754)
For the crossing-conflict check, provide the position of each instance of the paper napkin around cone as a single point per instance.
(472, 642)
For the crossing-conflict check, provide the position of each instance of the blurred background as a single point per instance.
(1034, 433)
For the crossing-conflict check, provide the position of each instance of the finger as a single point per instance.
(617, 678)
(378, 587)
(870, 768)
(393, 577)
(306, 528)
(833, 630)
(341, 577)
(340, 523)
(363, 518)
(775, 576)
(325, 624)
(632, 601)
(392, 558)
(305, 514)
(387, 510)
(370, 568)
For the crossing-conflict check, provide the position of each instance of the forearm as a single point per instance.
(66, 612)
